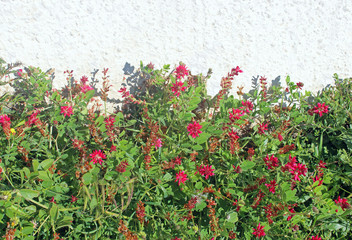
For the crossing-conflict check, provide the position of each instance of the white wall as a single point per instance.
(309, 40)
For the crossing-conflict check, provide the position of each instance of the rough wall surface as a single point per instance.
(308, 40)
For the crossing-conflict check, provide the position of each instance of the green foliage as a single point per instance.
(174, 162)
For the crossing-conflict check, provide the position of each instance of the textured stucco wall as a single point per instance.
(309, 40)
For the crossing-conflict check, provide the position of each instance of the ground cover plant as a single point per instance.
(173, 162)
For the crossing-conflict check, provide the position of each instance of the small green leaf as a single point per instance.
(46, 164)
(232, 217)
(87, 178)
(246, 165)
(29, 193)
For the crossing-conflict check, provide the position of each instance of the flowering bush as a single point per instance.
(173, 163)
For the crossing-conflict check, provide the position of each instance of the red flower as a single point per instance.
(315, 238)
(272, 162)
(236, 114)
(109, 122)
(176, 238)
(237, 169)
(271, 186)
(73, 199)
(259, 231)
(262, 127)
(113, 148)
(319, 109)
(247, 106)
(177, 160)
(181, 177)
(194, 129)
(205, 170)
(177, 87)
(97, 157)
(158, 143)
(280, 137)
(84, 79)
(236, 70)
(342, 202)
(122, 166)
(66, 110)
(53, 200)
(181, 71)
(300, 85)
(19, 72)
(86, 88)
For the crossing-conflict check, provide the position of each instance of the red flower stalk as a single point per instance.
(212, 215)
(259, 231)
(140, 211)
(287, 148)
(122, 166)
(5, 122)
(263, 86)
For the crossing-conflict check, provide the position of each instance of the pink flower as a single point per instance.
(66, 111)
(33, 118)
(236, 70)
(296, 169)
(247, 106)
(86, 88)
(113, 148)
(280, 137)
(181, 71)
(158, 143)
(73, 199)
(319, 109)
(84, 79)
(315, 238)
(97, 157)
(300, 85)
(272, 162)
(19, 72)
(5, 121)
(271, 186)
(176, 238)
(235, 115)
(177, 160)
(342, 202)
(262, 127)
(259, 231)
(181, 177)
(205, 170)
(109, 122)
(194, 129)
(177, 87)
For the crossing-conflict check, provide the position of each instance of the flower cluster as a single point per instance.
(205, 170)
(342, 202)
(66, 111)
(259, 231)
(181, 71)
(97, 157)
(296, 169)
(320, 109)
(194, 129)
(181, 177)
(178, 87)
(271, 162)
(271, 186)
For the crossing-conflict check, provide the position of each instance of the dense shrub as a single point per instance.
(173, 162)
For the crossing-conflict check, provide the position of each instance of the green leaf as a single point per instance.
(87, 178)
(232, 217)
(29, 193)
(291, 195)
(203, 137)
(54, 210)
(246, 165)
(46, 164)
(197, 147)
(167, 177)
